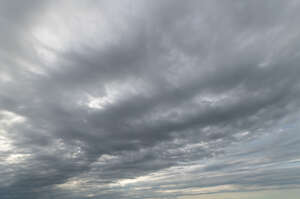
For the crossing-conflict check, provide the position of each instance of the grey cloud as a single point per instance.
(181, 82)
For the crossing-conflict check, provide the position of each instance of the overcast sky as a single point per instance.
(131, 99)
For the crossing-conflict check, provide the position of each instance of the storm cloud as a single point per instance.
(148, 99)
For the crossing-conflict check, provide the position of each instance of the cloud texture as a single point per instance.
(148, 99)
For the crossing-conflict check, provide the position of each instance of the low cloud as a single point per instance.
(148, 99)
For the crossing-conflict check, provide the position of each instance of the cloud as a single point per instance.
(148, 99)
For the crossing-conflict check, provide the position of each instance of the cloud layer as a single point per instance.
(140, 99)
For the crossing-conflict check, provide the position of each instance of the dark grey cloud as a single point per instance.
(106, 99)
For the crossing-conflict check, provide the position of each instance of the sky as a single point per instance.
(131, 99)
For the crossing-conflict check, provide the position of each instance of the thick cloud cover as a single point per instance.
(148, 99)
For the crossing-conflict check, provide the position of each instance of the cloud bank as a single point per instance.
(148, 99)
